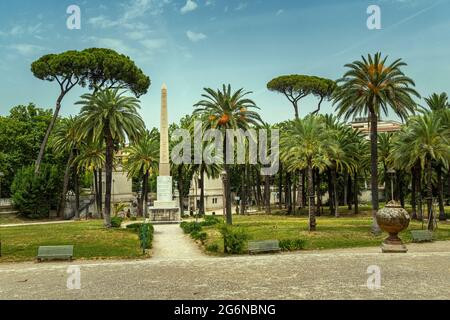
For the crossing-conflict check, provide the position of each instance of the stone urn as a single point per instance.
(393, 219)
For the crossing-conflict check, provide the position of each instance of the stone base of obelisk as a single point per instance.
(164, 210)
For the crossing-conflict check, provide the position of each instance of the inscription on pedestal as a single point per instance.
(164, 189)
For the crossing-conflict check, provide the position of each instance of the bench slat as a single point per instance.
(55, 252)
(263, 246)
(421, 235)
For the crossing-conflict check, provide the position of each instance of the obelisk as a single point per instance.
(165, 209)
(164, 165)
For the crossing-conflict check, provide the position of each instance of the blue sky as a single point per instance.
(192, 44)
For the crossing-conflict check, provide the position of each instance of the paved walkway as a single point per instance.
(171, 243)
(179, 271)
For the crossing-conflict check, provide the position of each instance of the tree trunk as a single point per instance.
(440, 193)
(330, 191)
(181, 189)
(62, 203)
(374, 169)
(345, 189)
(419, 194)
(76, 180)
(202, 190)
(312, 217)
(267, 194)
(100, 192)
(295, 105)
(243, 193)
(401, 193)
(356, 193)
(430, 194)
(145, 193)
(319, 200)
(413, 193)
(304, 191)
(349, 195)
(294, 193)
(287, 194)
(335, 197)
(96, 192)
(258, 190)
(49, 131)
(108, 174)
(300, 201)
(227, 186)
(280, 187)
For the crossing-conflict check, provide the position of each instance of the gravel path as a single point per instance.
(423, 273)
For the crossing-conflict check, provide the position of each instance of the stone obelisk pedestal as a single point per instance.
(165, 209)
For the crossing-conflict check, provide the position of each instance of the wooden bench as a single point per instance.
(422, 236)
(55, 253)
(263, 246)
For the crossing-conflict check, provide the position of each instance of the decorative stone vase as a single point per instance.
(393, 219)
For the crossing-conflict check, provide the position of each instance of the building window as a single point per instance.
(214, 201)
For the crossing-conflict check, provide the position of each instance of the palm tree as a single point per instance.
(65, 140)
(437, 102)
(113, 117)
(369, 88)
(225, 109)
(425, 141)
(307, 144)
(142, 161)
(92, 159)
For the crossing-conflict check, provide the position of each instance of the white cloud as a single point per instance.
(26, 49)
(102, 22)
(279, 12)
(209, 3)
(241, 6)
(195, 37)
(153, 44)
(190, 5)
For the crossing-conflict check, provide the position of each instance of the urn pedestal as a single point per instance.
(393, 219)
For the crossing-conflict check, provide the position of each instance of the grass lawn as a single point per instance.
(331, 233)
(90, 238)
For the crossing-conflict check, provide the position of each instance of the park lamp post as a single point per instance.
(391, 172)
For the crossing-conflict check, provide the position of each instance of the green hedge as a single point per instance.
(137, 227)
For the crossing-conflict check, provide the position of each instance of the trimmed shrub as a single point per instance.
(199, 236)
(116, 222)
(212, 248)
(147, 230)
(210, 221)
(189, 227)
(234, 239)
(292, 244)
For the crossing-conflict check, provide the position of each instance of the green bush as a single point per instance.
(149, 230)
(196, 235)
(138, 228)
(234, 239)
(189, 227)
(292, 244)
(116, 222)
(210, 221)
(212, 248)
(34, 195)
